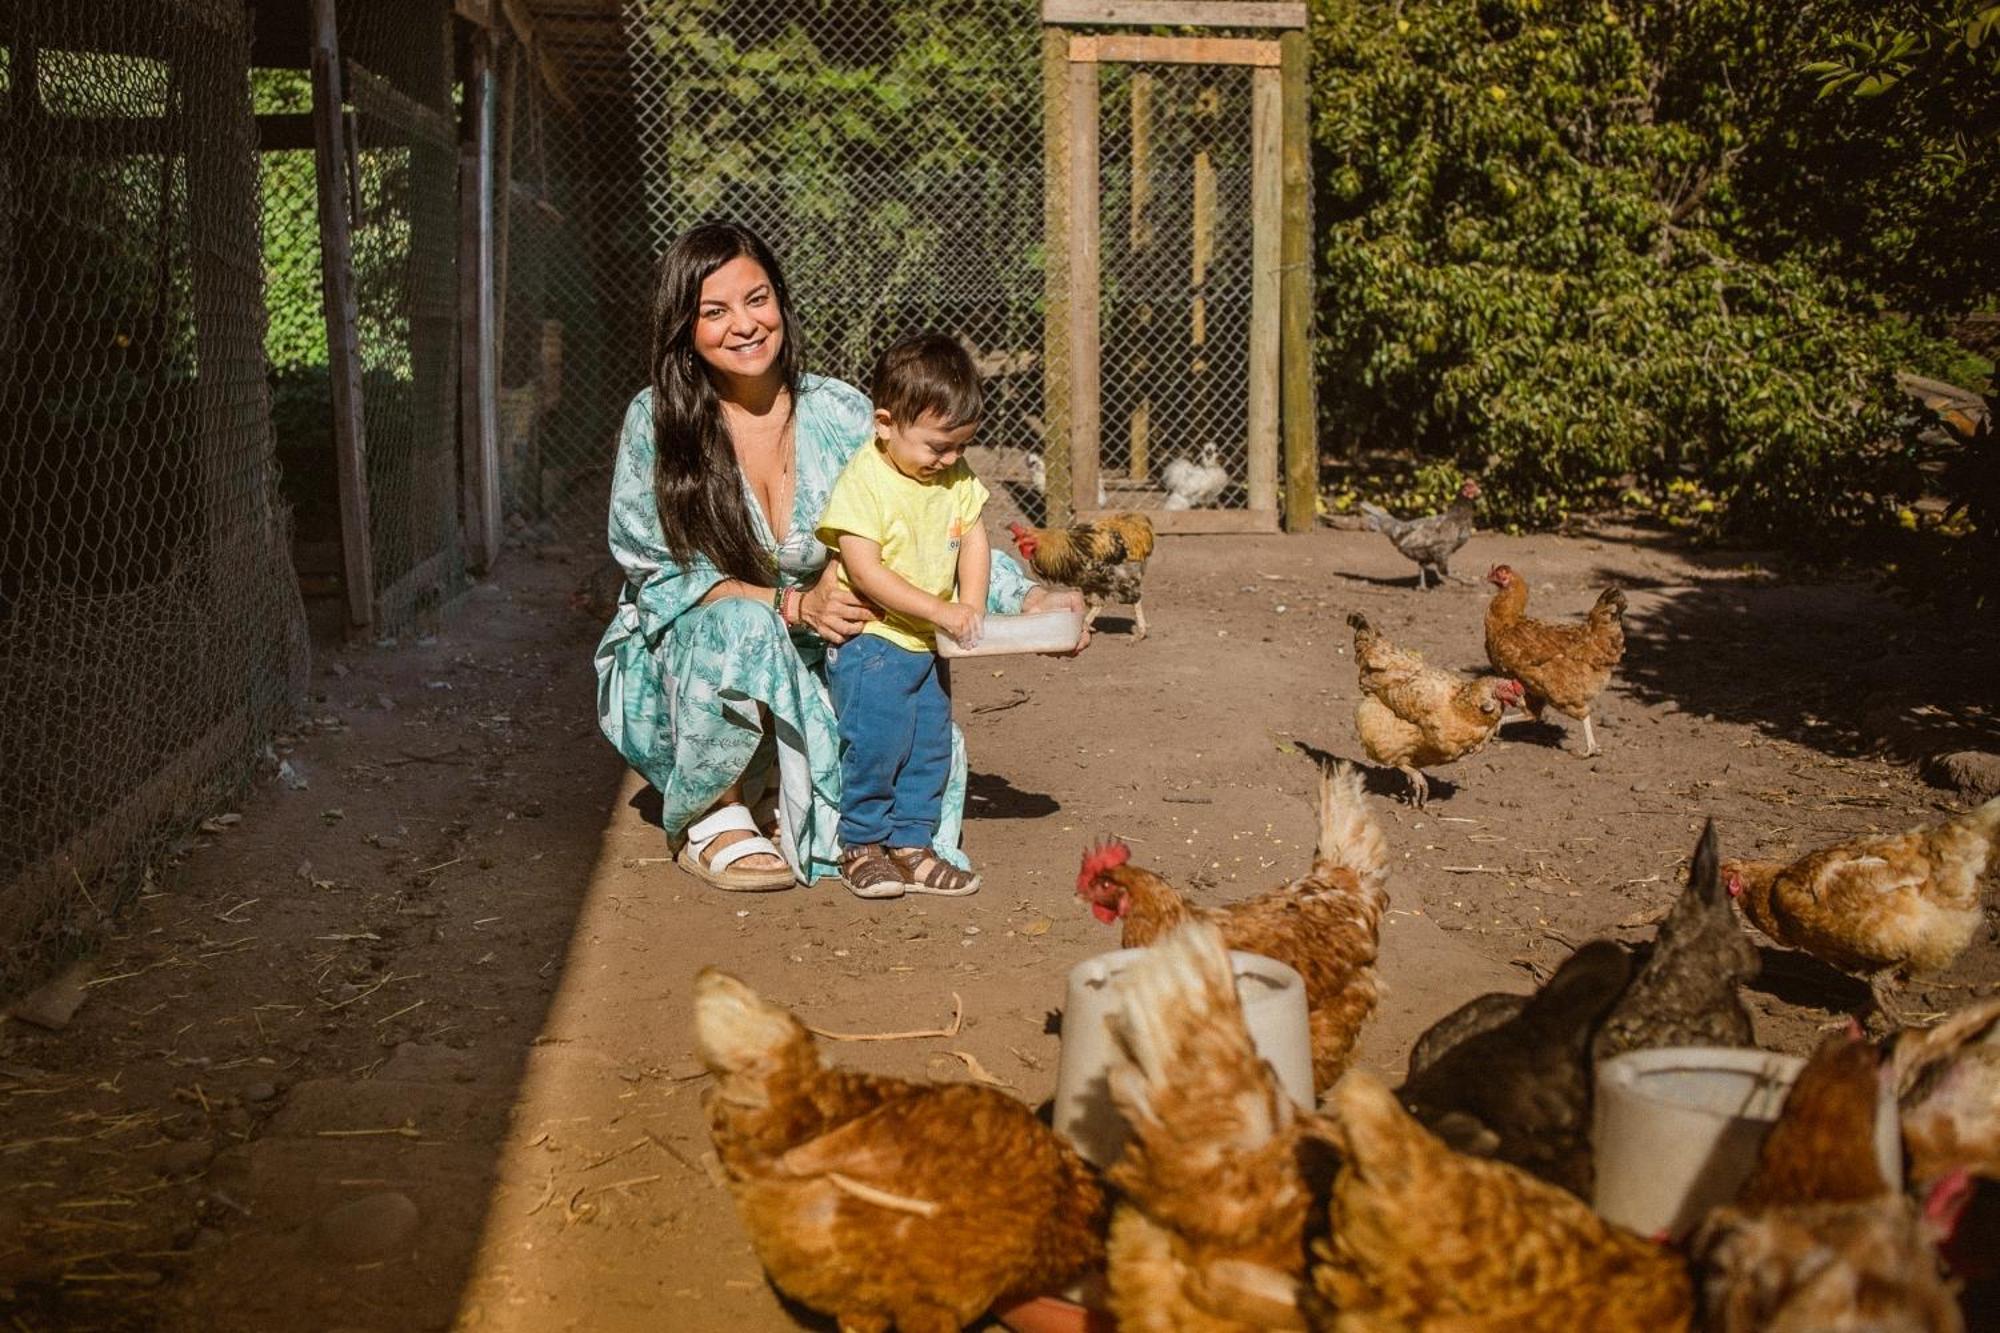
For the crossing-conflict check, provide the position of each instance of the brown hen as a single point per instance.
(855, 1188)
(1882, 906)
(1326, 924)
(1425, 1239)
(1104, 559)
(1560, 666)
(1207, 1236)
(1416, 716)
(1817, 1240)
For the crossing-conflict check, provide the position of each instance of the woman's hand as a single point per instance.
(831, 611)
(1057, 599)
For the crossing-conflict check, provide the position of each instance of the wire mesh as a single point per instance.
(151, 636)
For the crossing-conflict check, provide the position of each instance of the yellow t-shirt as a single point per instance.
(918, 524)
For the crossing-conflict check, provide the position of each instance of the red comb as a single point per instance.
(1106, 855)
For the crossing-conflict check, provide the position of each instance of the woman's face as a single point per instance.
(738, 327)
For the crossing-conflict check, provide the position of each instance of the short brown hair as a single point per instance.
(926, 372)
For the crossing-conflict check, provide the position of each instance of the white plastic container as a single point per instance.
(1677, 1130)
(1274, 1009)
(1042, 632)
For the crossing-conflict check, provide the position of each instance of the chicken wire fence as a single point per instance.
(893, 156)
(151, 636)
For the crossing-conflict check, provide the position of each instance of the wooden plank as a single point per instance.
(1176, 50)
(479, 463)
(1266, 215)
(476, 12)
(376, 96)
(426, 576)
(1056, 351)
(1299, 406)
(292, 131)
(1139, 429)
(1175, 522)
(1175, 13)
(547, 63)
(503, 187)
(343, 347)
(1085, 256)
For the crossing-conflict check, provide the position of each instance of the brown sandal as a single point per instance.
(870, 872)
(941, 880)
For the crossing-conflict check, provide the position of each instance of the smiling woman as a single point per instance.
(711, 677)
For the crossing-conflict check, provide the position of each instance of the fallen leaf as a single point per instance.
(1039, 926)
(980, 1073)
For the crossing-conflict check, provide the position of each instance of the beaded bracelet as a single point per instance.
(778, 601)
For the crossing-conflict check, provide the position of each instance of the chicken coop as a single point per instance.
(310, 309)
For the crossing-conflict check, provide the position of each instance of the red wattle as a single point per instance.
(1103, 913)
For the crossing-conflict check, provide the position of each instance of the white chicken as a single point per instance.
(1195, 485)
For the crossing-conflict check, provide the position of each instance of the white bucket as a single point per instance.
(1274, 1009)
(1676, 1131)
(1042, 632)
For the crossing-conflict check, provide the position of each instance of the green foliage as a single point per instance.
(1535, 264)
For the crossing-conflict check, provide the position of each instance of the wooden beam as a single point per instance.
(1299, 406)
(503, 194)
(1085, 258)
(1266, 217)
(547, 63)
(1057, 354)
(1175, 13)
(1172, 522)
(478, 394)
(1138, 365)
(476, 12)
(1261, 52)
(292, 131)
(342, 342)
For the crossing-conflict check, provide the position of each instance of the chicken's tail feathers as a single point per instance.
(1705, 870)
(1350, 838)
(735, 1028)
(1179, 1022)
(1983, 819)
(1362, 1117)
(1610, 604)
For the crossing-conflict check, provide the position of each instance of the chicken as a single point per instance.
(1105, 560)
(882, 1202)
(1684, 994)
(1518, 1088)
(1207, 1235)
(1817, 1240)
(1326, 924)
(1423, 1238)
(1561, 666)
(1883, 906)
(1414, 716)
(1948, 1086)
(1431, 541)
(1192, 485)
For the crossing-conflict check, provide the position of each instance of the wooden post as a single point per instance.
(1201, 254)
(1266, 209)
(343, 347)
(503, 192)
(1140, 428)
(1085, 258)
(1300, 405)
(478, 409)
(1057, 354)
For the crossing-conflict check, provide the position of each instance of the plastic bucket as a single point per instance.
(1042, 632)
(1274, 1009)
(1677, 1130)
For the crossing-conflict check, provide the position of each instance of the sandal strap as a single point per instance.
(941, 875)
(736, 851)
(732, 818)
(866, 866)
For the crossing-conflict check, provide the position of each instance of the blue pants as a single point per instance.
(895, 741)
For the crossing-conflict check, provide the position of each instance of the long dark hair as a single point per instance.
(696, 481)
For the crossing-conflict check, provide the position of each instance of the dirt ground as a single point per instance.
(407, 1047)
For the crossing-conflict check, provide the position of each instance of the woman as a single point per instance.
(712, 671)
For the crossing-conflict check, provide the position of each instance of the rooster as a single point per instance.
(854, 1187)
(1415, 716)
(1325, 925)
(1883, 906)
(1817, 1240)
(1425, 1239)
(1208, 1233)
(1564, 666)
(1104, 559)
(1430, 541)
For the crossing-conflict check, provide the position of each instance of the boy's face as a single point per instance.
(924, 448)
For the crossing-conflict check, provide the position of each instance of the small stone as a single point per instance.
(53, 1004)
(365, 1229)
(1973, 774)
(259, 1092)
(1642, 787)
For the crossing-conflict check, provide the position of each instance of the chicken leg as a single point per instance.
(1420, 787)
(1138, 621)
(1591, 749)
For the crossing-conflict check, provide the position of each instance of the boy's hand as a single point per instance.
(964, 623)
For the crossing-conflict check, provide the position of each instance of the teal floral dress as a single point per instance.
(679, 683)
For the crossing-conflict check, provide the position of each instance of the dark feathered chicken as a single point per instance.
(1519, 1089)
(1432, 540)
(1684, 994)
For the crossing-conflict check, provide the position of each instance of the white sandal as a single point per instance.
(716, 871)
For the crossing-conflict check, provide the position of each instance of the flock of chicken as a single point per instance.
(1457, 1201)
